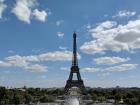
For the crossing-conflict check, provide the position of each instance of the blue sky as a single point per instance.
(36, 42)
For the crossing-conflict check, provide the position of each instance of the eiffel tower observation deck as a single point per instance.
(71, 82)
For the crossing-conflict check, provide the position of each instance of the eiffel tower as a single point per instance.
(74, 70)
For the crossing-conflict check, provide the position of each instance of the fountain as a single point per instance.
(72, 101)
(73, 97)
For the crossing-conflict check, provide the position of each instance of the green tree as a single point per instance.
(17, 99)
(47, 99)
(94, 97)
(28, 98)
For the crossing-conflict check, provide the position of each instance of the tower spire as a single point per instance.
(74, 58)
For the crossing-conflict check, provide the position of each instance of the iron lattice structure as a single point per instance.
(74, 70)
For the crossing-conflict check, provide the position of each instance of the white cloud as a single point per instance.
(2, 8)
(23, 63)
(62, 48)
(125, 13)
(90, 69)
(31, 58)
(128, 35)
(57, 56)
(108, 70)
(23, 9)
(16, 61)
(49, 56)
(30, 62)
(110, 60)
(60, 34)
(122, 67)
(40, 15)
(4, 64)
(36, 68)
(104, 25)
(113, 37)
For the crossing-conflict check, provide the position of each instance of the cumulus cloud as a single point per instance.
(113, 37)
(16, 61)
(40, 15)
(109, 70)
(90, 69)
(20, 62)
(110, 60)
(104, 25)
(2, 8)
(122, 67)
(4, 64)
(62, 48)
(57, 56)
(60, 34)
(125, 13)
(36, 68)
(23, 9)
(48, 56)
(30, 62)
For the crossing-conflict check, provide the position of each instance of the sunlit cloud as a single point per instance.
(24, 11)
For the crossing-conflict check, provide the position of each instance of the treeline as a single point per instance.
(127, 96)
(16, 96)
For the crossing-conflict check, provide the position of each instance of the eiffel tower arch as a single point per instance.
(74, 70)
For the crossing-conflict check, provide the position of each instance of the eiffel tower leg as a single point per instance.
(78, 76)
(71, 76)
(68, 86)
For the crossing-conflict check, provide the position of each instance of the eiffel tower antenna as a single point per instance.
(74, 58)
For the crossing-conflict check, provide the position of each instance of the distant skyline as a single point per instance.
(36, 42)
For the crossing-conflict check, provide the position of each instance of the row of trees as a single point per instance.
(27, 96)
(130, 96)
